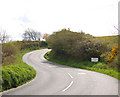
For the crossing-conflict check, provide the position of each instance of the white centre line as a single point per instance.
(51, 66)
(70, 75)
(68, 86)
(81, 73)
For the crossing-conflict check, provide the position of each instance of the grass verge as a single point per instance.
(18, 73)
(98, 67)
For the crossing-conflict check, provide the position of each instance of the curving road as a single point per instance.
(55, 79)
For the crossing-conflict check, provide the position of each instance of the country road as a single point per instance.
(56, 79)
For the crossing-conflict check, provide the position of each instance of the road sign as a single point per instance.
(94, 59)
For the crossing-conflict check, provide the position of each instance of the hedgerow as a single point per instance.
(32, 45)
(16, 75)
(78, 45)
(9, 53)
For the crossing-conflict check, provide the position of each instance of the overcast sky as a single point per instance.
(96, 17)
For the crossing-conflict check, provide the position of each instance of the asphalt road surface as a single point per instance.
(56, 79)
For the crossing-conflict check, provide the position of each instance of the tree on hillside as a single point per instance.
(31, 35)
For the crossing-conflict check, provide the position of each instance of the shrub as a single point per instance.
(9, 52)
(89, 48)
(32, 45)
(15, 75)
(103, 57)
(113, 54)
(111, 58)
(74, 44)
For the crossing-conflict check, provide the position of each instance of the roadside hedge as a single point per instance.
(16, 75)
(66, 43)
(9, 53)
(32, 45)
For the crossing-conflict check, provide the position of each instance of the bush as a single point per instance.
(74, 44)
(111, 58)
(114, 52)
(103, 57)
(32, 45)
(15, 75)
(89, 48)
(9, 52)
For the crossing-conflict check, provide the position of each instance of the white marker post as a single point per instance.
(94, 59)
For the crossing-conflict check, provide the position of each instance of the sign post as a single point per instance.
(94, 59)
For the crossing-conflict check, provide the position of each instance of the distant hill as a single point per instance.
(111, 40)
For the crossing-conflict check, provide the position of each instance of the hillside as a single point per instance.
(111, 40)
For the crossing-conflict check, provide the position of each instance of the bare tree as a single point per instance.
(31, 35)
(3, 36)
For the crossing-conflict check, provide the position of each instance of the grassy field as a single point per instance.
(98, 67)
(18, 73)
(111, 40)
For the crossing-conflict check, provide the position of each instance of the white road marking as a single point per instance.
(81, 70)
(81, 73)
(51, 66)
(70, 75)
(68, 86)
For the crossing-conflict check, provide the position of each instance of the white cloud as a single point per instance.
(96, 17)
(24, 19)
